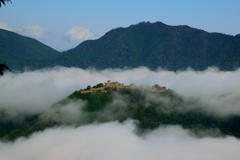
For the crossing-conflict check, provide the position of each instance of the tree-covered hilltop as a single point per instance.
(18, 52)
(156, 45)
(145, 44)
(148, 109)
(152, 109)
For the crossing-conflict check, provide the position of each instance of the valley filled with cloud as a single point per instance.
(33, 92)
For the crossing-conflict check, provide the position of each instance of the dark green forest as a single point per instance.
(156, 45)
(20, 52)
(149, 110)
(145, 44)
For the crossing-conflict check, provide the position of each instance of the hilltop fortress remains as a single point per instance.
(119, 87)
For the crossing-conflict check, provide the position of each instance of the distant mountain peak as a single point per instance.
(156, 45)
(18, 52)
(147, 44)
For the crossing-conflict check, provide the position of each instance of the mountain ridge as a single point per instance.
(147, 44)
(156, 45)
(19, 51)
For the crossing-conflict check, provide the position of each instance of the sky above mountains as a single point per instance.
(64, 24)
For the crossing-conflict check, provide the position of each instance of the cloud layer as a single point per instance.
(118, 141)
(34, 91)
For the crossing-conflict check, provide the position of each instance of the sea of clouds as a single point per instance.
(34, 91)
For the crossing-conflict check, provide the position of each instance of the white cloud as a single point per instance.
(70, 39)
(118, 141)
(78, 34)
(33, 31)
(65, 114)
(36, 90)
(5, 26)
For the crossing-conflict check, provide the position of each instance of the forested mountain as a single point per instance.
(18, 51)
(156, 45)
(145, 44)
(148, 109)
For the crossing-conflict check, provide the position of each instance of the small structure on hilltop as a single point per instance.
(119, 87)
(109, 84)
(157, 88)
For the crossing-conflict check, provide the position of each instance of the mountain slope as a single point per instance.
(148, 109)
(18, 51)
(145, 44)
(155, 45)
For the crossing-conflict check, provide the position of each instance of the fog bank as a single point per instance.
(118, 141)
(216, 92)
(34, 91)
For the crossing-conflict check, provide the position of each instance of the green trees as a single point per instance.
(3, 67)
(89, 87)
(156, 45)
(119, 106)
(3, 2)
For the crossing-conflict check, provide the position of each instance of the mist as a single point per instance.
(34, 91)
(31, 92)
(118, 141)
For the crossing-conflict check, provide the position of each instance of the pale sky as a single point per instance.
(65, 24)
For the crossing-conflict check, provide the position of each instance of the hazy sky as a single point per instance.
(64, 24)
